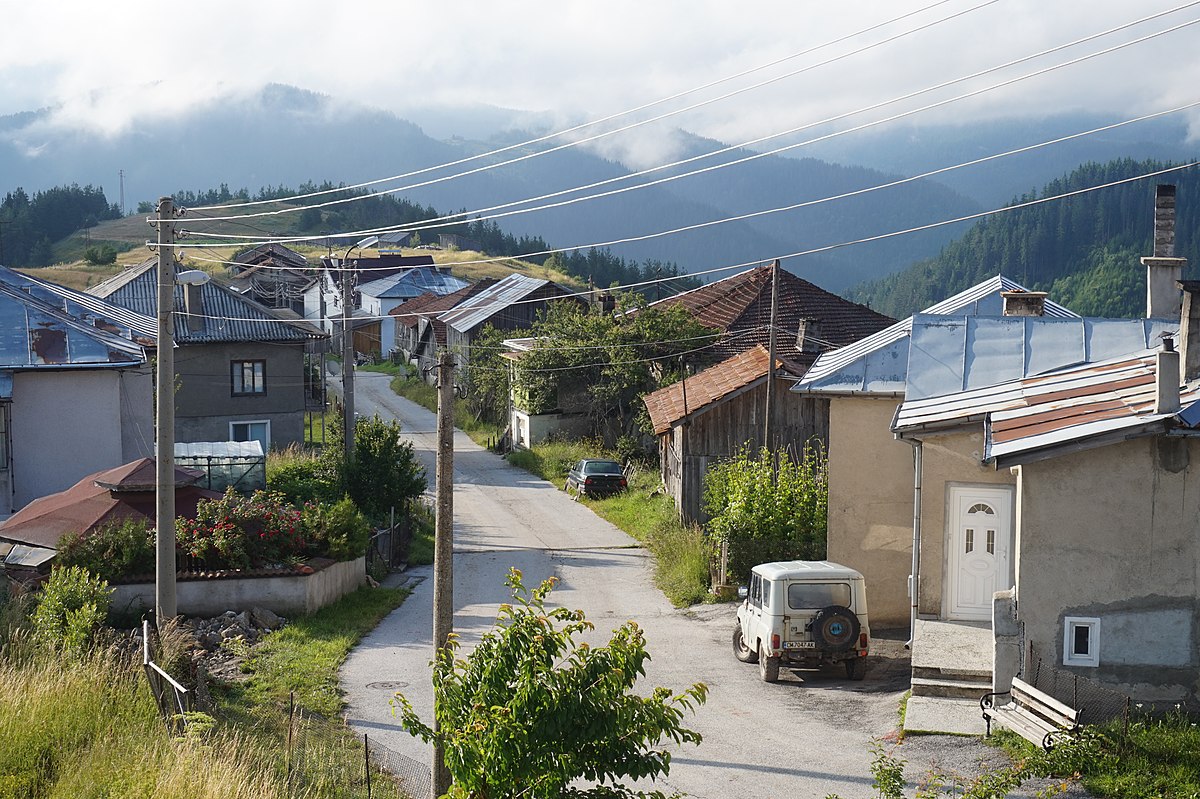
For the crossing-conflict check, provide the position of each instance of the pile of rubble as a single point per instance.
(248, 626)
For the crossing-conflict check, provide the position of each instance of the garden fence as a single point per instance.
(1097, 703)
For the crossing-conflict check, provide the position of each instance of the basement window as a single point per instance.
(1081, 641)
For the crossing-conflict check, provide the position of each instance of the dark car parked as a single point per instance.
(596, 477)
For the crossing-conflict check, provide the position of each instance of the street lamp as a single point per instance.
(165, 606)
(348, 348)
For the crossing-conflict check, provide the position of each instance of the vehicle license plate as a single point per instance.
(799, 644)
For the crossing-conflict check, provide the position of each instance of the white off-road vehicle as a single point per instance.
(807, 613)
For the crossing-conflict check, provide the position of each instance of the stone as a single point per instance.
(265, 619)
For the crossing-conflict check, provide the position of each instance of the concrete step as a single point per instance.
(953, 673)
(938, 714)
(948, 688)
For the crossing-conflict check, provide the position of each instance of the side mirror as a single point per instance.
(743, 592)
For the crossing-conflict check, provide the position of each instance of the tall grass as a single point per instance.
(425, 395)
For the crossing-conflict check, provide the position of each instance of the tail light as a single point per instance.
(623, 482)
(587, 481)
(775, 641)
(862, 640)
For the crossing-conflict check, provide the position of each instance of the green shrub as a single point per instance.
(304, 477)
(70, 610)
(339, 530)
(239, 532)
(385, 473)
(111, 552)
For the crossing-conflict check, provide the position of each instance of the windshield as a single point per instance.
(810, 596)
(601, 467)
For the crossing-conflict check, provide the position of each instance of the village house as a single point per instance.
(380, 297)
(243, 372)
(420, 334)
(272, 275)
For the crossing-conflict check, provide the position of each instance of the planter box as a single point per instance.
(288, 594)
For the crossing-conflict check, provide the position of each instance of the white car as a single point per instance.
(807, 613)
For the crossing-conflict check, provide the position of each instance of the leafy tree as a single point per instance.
(100, 255)
(768, 507)
(71, 610)
(385, 473)
(530, 710)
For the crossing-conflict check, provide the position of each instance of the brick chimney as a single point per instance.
(1163, 269)
(808, 337)
(1166, 378)
(1024, 303)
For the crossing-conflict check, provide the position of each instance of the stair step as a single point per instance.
(935, 673)
(959, 689)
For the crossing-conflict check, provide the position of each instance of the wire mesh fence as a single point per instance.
(1097, 703)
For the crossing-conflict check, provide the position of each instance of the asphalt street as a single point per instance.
(808, 735)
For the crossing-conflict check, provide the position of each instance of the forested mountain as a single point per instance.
(30, 225)
(1084, 250)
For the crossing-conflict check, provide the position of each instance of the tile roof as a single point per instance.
(677, 401)
(878, 364)
(1034, 417)
(741, 303)
(228, 316)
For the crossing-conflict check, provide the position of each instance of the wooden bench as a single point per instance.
(1034, 715)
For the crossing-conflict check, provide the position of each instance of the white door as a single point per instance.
(980, 539)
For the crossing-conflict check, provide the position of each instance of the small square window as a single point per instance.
(1081, 641)
(248, 377)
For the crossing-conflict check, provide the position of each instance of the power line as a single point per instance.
(628, 112)
(408, 227)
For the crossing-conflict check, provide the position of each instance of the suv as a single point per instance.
(805, 612)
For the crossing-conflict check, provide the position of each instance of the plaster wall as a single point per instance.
(948, 459)
(1114, 533)
(137, 413)
(871, 502)
(286, 596)
(64, 425)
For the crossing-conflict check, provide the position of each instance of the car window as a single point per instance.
(808, 596)
(602, 467)
(755, 590)
(766, 593)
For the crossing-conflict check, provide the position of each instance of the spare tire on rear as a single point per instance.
(835, 628)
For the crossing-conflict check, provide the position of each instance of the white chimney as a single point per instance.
(1166, 378)
(1163, 269)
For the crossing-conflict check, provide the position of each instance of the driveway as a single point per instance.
(808, 735)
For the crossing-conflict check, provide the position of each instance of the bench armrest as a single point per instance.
(987, 702)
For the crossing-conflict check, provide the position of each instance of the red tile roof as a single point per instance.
(671, 404)
(741, 303)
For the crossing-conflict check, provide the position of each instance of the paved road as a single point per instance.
(805, 736)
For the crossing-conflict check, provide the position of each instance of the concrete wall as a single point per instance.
(204, 402)
(947, 460)
(68, 424)
(871, 502)
(529, 429)
(286, 596)
(1114, 534)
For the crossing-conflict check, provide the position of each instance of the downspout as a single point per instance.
(914, 579)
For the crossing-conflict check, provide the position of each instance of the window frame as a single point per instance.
(1091, 658)
(237, 369)
(265, 422)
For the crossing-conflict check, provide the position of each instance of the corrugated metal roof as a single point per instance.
(227, 316)
(479, 308)
(104, 315)
(1024, 419)
(878, 364)
(35, 334)
(414, 282)
(951, 354)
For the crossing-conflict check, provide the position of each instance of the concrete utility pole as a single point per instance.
(769, 415)
(164, 455)
(443, 545)
(348, 358)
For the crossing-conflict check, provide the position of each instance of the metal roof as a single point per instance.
(951, 354)
(104, 315)
(413, 283)
(35, 334)
(478, 309)
(878, 364)
(227, 316)
(1075, 408)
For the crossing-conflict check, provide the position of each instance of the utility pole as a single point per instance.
(164, 456)
(443, 544)
(347, 359)
(769, 415)
(121, 172)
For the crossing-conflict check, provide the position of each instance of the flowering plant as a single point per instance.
(241, 532)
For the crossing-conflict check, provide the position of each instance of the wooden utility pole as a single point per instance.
(164, 446)
(443, 544)
(769, 415)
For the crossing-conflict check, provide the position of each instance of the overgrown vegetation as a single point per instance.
(529, 711)
(111, 552)
(768, 506)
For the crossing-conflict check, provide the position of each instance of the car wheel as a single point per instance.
(768, 667)
(740, 650)
(835, 628)
(855, 669)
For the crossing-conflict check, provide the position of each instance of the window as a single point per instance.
(1081, 641)
(805, 596)
(259, 431)
(249, 377)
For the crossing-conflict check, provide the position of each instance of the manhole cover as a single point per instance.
(388, 685)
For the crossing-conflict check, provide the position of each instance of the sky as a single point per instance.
(105, 66)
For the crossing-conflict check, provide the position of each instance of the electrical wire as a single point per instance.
(628, 112)
(443, 221)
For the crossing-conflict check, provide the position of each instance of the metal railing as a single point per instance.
(174, 701)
